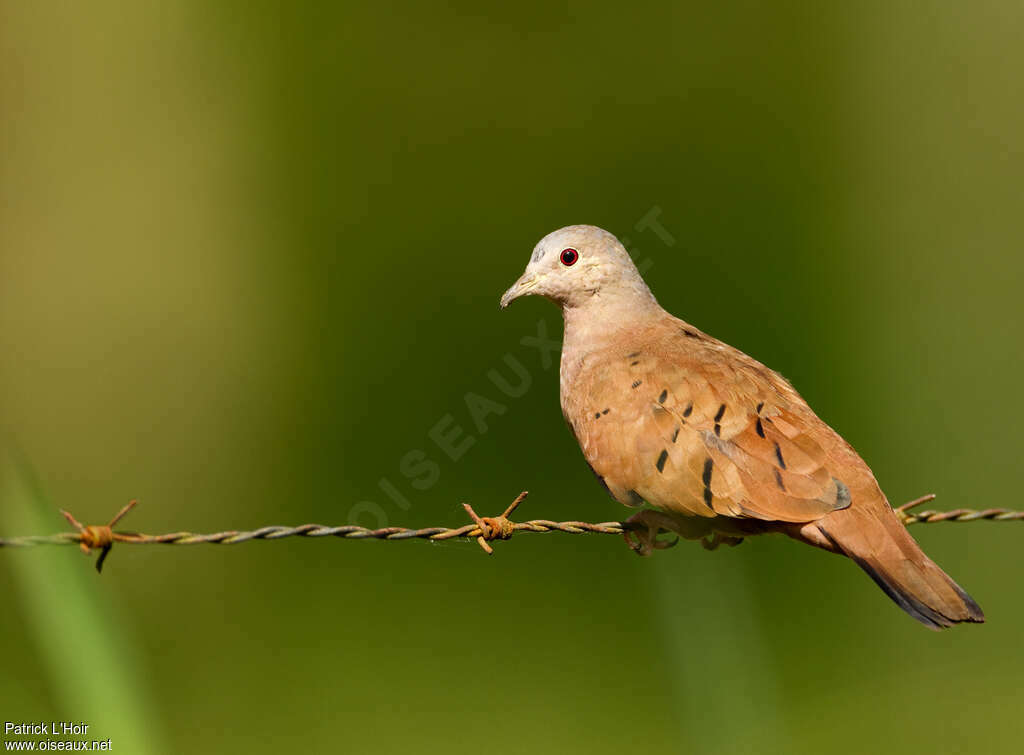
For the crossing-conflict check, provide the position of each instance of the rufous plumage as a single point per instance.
(719, 445)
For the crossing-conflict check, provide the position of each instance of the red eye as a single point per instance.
(569, 257)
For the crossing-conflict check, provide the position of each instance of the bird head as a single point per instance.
(575, 264)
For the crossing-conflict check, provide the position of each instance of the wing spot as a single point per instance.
(597, 416)
(634, 355)
(688, 410)
(760, 407)
(605, 411)
(675, 435)
(637, 384)
(706, 478)
(778, 481)
(718, 420)
(634, 364)
(662, 397)
(690, 333)
(778, 455)
(760, 427)
(661, 460)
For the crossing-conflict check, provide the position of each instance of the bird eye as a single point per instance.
(569, 257)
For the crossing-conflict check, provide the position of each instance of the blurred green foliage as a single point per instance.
(251, 253)
(82, 641)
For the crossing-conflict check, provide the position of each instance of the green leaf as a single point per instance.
(87, 653)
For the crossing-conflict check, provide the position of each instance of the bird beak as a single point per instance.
(520, 288)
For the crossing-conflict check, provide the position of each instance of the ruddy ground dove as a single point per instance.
(718, 444)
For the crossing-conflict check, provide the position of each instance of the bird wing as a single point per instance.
(691, 425)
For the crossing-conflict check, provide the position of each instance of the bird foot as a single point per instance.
(644, 528)
(712, 542)
(643, 531)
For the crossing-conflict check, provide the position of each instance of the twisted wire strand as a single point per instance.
(347, 532)
(960, 515)
(483, 529)
(468, 531)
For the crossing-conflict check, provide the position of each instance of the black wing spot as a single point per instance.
(690, 333)
(688, 410)
(760, 427)
(606, 411)
(760, 407)
(778, 455)
(637, 384)
(778, 481)
(718, 420)
(675, 435)
(662, 397)
(706, 478)
(634, 364)
(634, 355)
(597, 416)
(661, 460)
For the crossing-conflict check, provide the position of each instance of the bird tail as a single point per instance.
(879, 543)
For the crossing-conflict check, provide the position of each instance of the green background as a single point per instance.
(251, 253)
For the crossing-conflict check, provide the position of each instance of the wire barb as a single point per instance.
(495, 528)
(901, 510)
(482, 529)
(98, 537)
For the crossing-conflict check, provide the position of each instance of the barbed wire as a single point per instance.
(482, 529)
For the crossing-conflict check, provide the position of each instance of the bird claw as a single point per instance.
(644, 543)
(712, 542)
(643, 529)
(642, 536)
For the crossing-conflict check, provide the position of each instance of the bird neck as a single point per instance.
(597, 319)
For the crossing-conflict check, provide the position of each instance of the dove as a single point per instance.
(719, 446)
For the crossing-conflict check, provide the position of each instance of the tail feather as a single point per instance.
(880, 544)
